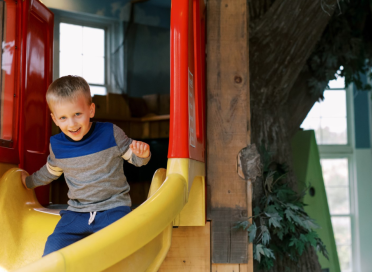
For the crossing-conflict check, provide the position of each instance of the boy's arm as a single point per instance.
(135, 156)
(45, 175)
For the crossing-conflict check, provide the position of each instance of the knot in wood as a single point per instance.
(238, 79)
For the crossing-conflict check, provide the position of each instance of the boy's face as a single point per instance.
(73, 117)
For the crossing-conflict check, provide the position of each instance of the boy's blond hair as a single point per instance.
(67, 88)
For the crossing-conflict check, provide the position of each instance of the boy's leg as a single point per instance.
(105, 218)
(72, 227)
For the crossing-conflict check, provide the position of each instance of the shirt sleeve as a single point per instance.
(123, 142)
(49, 172)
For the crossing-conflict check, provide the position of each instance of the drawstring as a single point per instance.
(91, 218)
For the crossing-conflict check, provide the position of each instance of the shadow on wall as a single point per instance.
(152, 13)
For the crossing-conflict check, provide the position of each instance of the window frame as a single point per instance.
(109, 25)
(353, 205)
(347, 151)
(339, 148)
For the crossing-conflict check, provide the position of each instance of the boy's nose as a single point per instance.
(72, 123)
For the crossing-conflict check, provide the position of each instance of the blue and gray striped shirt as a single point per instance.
(93, 168)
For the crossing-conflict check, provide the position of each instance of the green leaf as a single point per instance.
(311, 237)
(269, 253)
(280, 234)
(274, 219)
(293, 207)
(293, 241)
(300, 247)
(241, 225)
(265, 235)
(258, 252)
(271, 209)
(290, 215)
(303, 238)
(256, 210)
(309, 225)
(322, 248)
(252, 230)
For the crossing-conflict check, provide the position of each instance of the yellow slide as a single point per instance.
(137, 242)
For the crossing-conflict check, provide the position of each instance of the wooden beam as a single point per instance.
(227, 126)
(189, 251)
(230, 268)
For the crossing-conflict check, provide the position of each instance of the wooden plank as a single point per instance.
(231, 268)
(227, 119)
(189, 251)
(225, 268)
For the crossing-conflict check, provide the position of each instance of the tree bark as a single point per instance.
(281, 41)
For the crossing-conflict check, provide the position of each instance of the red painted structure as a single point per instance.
(28, 56)
(26, 123)
(187, 108)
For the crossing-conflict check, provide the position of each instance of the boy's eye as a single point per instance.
(62, 118)
(77, 114)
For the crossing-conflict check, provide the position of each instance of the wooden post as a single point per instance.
(228, 121)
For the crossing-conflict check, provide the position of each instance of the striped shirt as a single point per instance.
(93, 168)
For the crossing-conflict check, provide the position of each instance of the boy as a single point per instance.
(91, 157)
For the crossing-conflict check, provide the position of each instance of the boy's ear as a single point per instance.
(92, 110)
(54, 119)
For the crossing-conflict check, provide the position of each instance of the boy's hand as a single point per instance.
(23, 177)
(140, 149)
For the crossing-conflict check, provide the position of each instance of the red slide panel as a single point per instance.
(187, 106)
(9, 93)
(36, 70)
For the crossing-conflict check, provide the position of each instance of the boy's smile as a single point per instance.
(73, 117)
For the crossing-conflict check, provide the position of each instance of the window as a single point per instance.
(7, 76)
(336, 181)
(82, 53)
(330, 119)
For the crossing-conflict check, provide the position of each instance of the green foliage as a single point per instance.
(346, 42)
(281, 227)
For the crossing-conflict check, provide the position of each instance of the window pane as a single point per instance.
(70, 64)
(82, 52)
(344, 257)
(93, 42)
(94, 69)
(334, 104)
(338, 83)
(333, 131)
(71, 38)
(342, 230)
(329, 119)
(97, 90)
(338, 200)
(335, 172)
(315, 111)
(313, 123)
(7, 87)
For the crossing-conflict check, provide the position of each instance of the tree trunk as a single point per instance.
(280, 43)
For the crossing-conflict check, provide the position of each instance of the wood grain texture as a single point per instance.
(227, 125)
(189, 251)
(231, 268)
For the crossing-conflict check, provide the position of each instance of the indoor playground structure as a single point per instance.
(140, 241)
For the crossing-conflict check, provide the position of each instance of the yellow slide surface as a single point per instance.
(137, 242)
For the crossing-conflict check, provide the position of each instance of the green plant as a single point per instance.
(281, 227)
